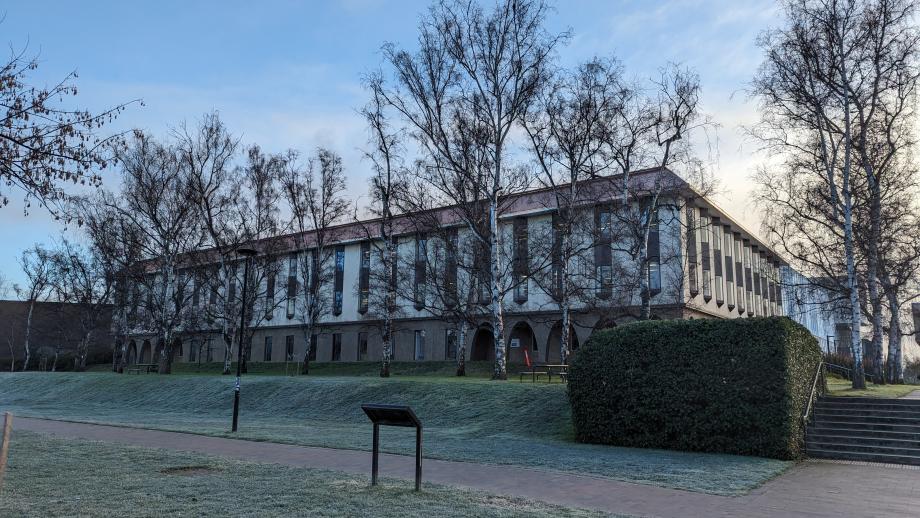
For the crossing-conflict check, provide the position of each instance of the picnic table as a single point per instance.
(545, 369)
(146, 367)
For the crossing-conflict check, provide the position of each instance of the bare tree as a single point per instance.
(316, 203)
(44, 145)
(5, 286)
(115, 243)
(155, 199)
(37, 264)
(82, 279)
(462, 93)
(569, 130)
(836, 91)
(378, 289)
(660, 139)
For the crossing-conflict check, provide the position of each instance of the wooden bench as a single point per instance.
(546, 370)
(533, 373)
(146, 367)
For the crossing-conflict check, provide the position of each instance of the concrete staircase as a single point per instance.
(865, 429)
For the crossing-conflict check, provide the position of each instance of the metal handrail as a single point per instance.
(819, 375)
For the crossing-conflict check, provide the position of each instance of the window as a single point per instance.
(728, 246)
(362, 346)
(269, 295)
(364, 281)
(292, 285)
(717, 261)
(313, 343)
(181, 350)
(421, 263)
(336, 347)
(692, 233)
(193, 350)
(289, 348)
(602, 253)
(704, 232)
(654, 276)
(654, 255)
(339, 280)
(419, 345)
(520, 259)
(196, 291)
(209, 351)
(748, 281)
(557, 254)
(267, 352)
(482, 281)
(212, 296)
(739, 272)
(247, 351)
(450, 344)
(231, 287)
(604, 280)
(450, 268)
(758, 284)
(605, 226)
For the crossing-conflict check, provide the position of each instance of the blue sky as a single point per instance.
(288, 74)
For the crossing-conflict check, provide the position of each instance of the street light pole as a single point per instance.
(246, 253)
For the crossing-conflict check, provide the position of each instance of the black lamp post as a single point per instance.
(247, 253)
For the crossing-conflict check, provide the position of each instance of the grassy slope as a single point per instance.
(479, 421)
(477, 369)
(55, 477)
(841, 387)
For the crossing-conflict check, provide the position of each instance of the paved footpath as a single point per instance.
(813, 489)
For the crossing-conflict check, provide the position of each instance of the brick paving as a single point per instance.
(812, 488)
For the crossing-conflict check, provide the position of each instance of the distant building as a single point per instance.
(703, 264)
(915, 311)
(56, 331)
(815, 307)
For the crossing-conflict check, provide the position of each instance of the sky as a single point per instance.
(287, 74)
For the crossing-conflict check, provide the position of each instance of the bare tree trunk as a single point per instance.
(564, 337)
(564, 302)
(644, 281)
(500, 371)
(28, 352)
(228, 353)
(859, 375)
(875, 299)
(387, 348)
(308, 335)
(461, 348)
(895, 369)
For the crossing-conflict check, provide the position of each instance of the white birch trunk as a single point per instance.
(644, 280)
(859, 377)
(28, 352)
(461, 348)
(500, 371)
(895, 370)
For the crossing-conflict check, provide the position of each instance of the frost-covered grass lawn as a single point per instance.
(475, 420)
(55, 477)
(841, 387)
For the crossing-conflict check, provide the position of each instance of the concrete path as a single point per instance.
(813, 489)
(912, 395)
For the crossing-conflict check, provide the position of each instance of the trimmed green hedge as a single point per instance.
(731, 386)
